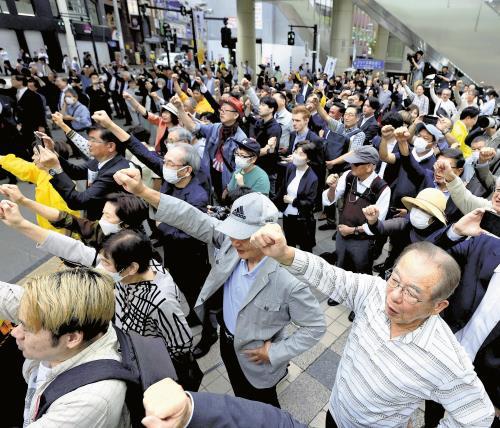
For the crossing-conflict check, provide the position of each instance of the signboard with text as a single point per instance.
(368, 64)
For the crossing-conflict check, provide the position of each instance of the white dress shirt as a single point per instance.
(292, 190)
(484, 318)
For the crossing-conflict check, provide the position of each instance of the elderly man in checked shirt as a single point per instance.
(399, 351)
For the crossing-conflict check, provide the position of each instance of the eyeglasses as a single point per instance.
(243, 156)
(173, 165)
(409, 296)
(227, 111)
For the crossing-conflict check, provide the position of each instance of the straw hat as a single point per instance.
(430, 200)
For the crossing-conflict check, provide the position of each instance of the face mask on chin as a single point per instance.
(69, 100)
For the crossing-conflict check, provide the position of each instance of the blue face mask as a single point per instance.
(115, 275)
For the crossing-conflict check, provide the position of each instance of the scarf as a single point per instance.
(225, 133)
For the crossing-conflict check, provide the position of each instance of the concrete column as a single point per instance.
(70, 39)
(341, 34)
(380, 51)
(245, 48)
(118, 25)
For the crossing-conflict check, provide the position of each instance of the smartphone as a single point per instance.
(393, 210)
(491, 223)
(38, 141)
(430, 120)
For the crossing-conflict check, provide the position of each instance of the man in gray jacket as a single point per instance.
(259, 297)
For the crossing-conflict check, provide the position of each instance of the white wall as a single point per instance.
(8, 41)
(86, 46)
(34, 40)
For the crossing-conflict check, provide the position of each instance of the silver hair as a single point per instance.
(191, 156)
(184, 135)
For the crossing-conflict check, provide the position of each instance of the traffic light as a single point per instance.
(167, 30)
(291, 38)
(225, 37)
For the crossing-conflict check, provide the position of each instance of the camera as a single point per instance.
(218, 212)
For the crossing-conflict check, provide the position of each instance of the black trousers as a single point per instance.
(188, 371)
(299, 232)
(329, 422)
(355, 255)
(241, 387)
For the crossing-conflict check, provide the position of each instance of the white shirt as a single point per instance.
(484, 318)
(20, 92)
(382, 202)
(488, 107)
(383, 166)
(284, 118)
(381, 380)
(292, 190)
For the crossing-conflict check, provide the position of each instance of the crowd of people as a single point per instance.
(203, 208)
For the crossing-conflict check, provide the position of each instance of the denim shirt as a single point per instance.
(81, 115)
(211, 133)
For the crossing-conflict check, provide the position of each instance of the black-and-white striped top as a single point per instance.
(381, 380)
(154, 308)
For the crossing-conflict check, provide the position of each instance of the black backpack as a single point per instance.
(145, 360)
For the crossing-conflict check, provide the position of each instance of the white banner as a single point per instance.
(330, 65)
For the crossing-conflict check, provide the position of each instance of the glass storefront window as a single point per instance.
(24, 7)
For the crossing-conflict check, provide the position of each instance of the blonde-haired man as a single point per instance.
(63, 321)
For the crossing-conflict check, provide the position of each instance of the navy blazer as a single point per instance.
(94, 197)
(311, 137)
(478, 258)
(371, 128)
(218, 410)
(306, 193)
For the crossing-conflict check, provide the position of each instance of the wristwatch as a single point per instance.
(356, 231)
(55, 171)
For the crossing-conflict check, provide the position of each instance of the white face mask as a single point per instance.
(475, 156)
(115, 275)
(297, 160)
(420, 144)
(419, 219)
(69, 100)
(241, 163)
(109, 228)
(170, 175)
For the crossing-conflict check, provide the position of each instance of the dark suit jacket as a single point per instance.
(370, 128)
(478, 257)
(93, 199)
(217, 410)
(306, 193)
(30, 113)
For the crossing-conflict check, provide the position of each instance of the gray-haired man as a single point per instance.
(259, 297)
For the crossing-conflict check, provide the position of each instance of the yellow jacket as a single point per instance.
(44, 192)
(460, 132)
(201, 107)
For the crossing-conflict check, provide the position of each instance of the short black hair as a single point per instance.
(130, 209)
(454, 154)
(127, 247)
(209, 116)
(374, 103)
(340, 106)
(108, 137)
(270, 102)
(21, 78)
(308, 148)
(392, 118)
(469, 112)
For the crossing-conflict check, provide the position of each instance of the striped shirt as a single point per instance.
(356, 137)
(153, 308)
(381, 381)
